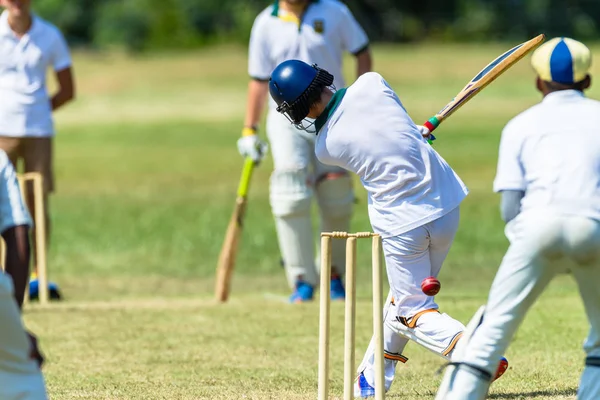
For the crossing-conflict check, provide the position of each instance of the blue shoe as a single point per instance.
(337, 288)
(362, 389)
(303, 293)
(53, 291)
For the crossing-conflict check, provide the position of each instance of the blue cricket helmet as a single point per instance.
(295, 86)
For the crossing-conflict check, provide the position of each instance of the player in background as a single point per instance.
(549, 178)
(316, 31)
(20, 360)
(28, 47)
(414, 196)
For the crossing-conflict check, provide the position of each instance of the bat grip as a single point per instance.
(245, 178)
(431, 124)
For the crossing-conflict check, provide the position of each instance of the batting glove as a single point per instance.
(426, 133)
(250, 145)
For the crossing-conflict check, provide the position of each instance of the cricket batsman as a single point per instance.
(414, 197)
(315, 31)
(20, 360)
(549, 177)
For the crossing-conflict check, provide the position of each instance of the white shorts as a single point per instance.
(20, 377)
(13, 211)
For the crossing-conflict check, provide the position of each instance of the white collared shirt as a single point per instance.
(25, 108)
(326, 30)
(552, 153)
(365, 129)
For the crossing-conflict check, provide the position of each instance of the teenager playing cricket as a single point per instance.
(414, 196)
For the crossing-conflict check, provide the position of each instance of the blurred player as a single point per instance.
(28, 47)
(316, 31)
(549, 177)
(414, 197)
(20, 360)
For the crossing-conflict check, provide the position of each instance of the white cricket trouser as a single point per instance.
(13, 211)
(410, 258)
(542, 245)
(20, 377)
(297, 178)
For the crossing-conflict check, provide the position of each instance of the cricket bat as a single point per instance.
(486, 76)
(234, 229)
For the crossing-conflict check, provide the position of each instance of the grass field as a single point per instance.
(147, 169)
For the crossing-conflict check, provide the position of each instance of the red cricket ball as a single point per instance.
(431, 286)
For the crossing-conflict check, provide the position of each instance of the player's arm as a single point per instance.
(364, 62)
(510, 173)
(257, 97)
(355, 41)
(259, 69)
(60, 58)
(510, 205)
(66, 88)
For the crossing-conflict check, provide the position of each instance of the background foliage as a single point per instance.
(172, 24)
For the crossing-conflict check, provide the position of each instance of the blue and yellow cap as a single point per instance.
(562, 60)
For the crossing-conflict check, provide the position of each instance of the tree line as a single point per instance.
(139, 25)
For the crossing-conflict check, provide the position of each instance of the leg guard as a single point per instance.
(393, 347)
(290, 202)
(436, 332)
(589, 387)
(336, 201)
(461, 379)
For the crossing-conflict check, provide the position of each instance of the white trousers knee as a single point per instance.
(20, 377)
(541, 244)
(298, 178)
(410, 258)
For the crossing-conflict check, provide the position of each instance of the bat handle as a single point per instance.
(431, 124)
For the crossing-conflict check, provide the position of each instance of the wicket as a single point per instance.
(350, 313)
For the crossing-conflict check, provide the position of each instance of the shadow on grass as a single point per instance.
(512, 395)
(535, 394)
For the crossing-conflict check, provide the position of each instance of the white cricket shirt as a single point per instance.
(365, 129)
(552, 153)
(25, 108)
(326, 30)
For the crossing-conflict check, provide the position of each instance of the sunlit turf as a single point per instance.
(147, 169)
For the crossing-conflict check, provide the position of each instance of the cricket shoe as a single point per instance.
(302, 293)
(502, 367)
(362, 389)
(337, 288)
(53, 291)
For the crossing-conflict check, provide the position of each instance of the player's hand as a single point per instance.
(426, 133)
(252, 146)
(35, 353)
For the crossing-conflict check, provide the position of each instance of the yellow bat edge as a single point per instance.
(226, 262)
(486, 76)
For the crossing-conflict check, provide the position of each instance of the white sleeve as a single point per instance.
(60, 56)
(510, 174)
(259, 62)
(354, 38)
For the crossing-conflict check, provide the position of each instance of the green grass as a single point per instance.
(147, 169)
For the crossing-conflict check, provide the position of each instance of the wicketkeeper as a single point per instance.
(549, 177)
(414, 196)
